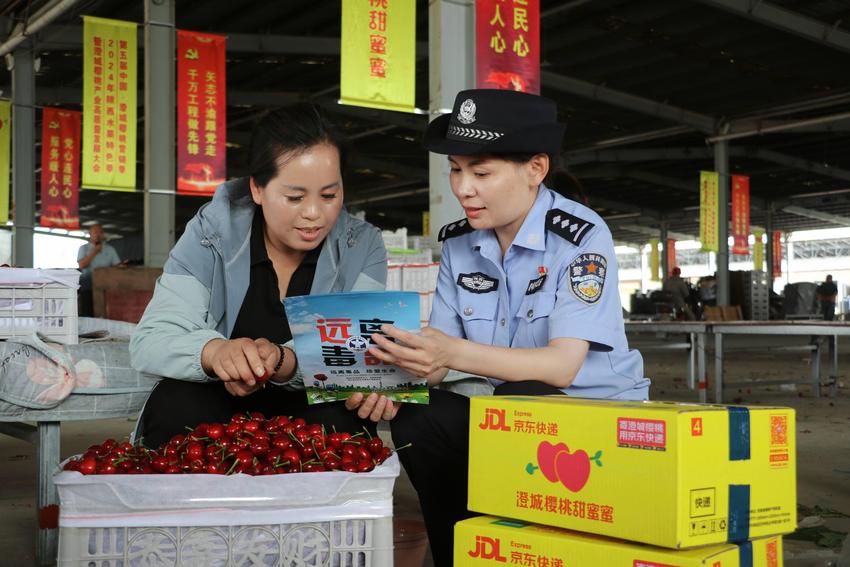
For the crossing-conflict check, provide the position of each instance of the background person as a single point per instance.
(96, 253)
(827, 293)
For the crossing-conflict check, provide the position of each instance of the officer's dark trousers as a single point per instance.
(175, 405)
(438, 461)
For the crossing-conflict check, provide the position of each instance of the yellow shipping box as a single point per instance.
(667, 474)
(490, 541)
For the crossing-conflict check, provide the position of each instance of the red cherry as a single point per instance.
(72, 465)
(215, 431)
(88, 465)
(375, 444)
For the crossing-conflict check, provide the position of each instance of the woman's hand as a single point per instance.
(372, 407)
(238, 361)
(420, 354)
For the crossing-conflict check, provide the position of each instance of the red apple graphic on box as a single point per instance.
(557, 464)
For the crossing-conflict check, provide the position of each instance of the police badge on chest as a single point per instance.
(477, 282)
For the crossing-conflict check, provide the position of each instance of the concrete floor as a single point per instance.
(823, 459)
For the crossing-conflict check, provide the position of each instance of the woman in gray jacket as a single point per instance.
(216, 322)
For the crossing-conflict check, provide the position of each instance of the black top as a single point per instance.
(828, 289)
(262, 314)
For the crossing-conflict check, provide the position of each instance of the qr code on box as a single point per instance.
(779, 430)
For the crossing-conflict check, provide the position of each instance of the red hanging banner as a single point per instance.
(507, 45)
(201, 124)
(671, 256)
(740, 215)
(60, 168)
(776, 242)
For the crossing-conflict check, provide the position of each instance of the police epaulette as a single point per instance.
(453, 229)
(569, 227)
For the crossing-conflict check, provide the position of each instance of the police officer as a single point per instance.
(527, 296)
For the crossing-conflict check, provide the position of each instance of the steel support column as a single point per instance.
(23, 156)
(160, 167)
(451, 38)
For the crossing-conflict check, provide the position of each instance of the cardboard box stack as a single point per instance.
(666, 476)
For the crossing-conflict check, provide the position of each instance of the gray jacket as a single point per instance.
(207, 273)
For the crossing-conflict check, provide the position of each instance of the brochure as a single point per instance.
(332, 333)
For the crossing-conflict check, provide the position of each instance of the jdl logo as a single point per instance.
(487, 548)
(494, 419)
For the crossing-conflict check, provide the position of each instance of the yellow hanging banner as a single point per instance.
(709, 187)
(378, 46)
(5, 157)
(109, 104)
(654, 261)
(758, 250)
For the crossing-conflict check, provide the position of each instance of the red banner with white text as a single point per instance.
(671, 256)
(201, 124)
(740, 215)
(60, 169)
(507, 45)
(776, 242)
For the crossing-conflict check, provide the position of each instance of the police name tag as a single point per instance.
(535, 285)
(587, 277)
(477, 282)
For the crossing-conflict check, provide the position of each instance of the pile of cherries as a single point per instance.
(248, 444)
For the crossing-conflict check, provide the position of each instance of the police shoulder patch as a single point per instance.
(567, 226)
(457, 228)
(587, 277)
(477, 282)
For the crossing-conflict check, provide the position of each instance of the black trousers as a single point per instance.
(175, 405)
(438, 461)
(827, 308)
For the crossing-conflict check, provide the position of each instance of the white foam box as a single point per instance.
(333, 519)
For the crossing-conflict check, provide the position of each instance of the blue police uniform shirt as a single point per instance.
(558, 279)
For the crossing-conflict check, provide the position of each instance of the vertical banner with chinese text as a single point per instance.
(776, 242)
(201, 121)
(654, 260)
(60, 168)
(378, 47)
(507, 45)
(671, 256)
(740, 215)
(758, 250)
(708, 210)
(5, 157)
(109, 104)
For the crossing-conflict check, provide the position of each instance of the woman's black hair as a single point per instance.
(289, 132)
(559, 180)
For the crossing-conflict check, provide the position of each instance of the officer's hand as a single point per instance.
(373, 406)
(420, 354)
(236, 360)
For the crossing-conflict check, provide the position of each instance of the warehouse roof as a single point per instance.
(642, 86)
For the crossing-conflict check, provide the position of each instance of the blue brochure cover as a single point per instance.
(332, 334)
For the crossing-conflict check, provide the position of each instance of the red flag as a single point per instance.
(671, 256)
(507, 50)
(776, 242)
(740, 215)
(201, 120)
(60, 168)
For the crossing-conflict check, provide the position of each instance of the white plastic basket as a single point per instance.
(328, 519)
(50, 309)
(366, 542)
